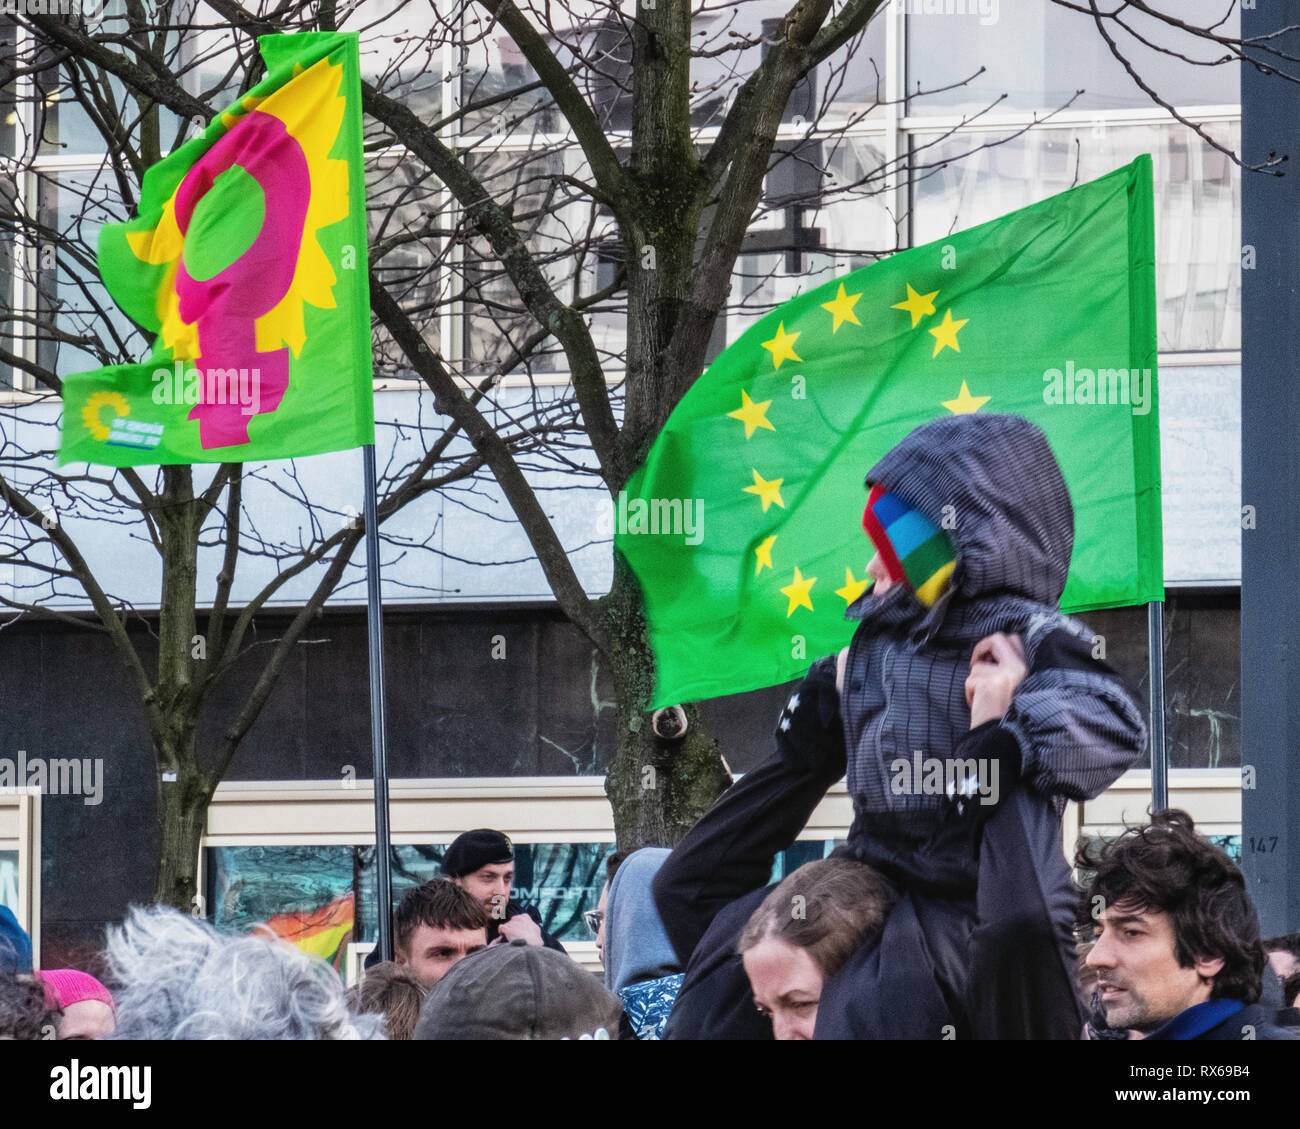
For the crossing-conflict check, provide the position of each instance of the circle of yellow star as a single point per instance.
(797, 591)
(945, 335)
(782, 346)
(842, 308)
(752, 415)
(769, 492)
(764, 554)
(852, 588)
(917, 304)
(965, 402)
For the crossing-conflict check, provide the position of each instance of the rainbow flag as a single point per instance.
(248, 260)
(324, 931)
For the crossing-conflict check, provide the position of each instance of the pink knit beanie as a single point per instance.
(67, 986)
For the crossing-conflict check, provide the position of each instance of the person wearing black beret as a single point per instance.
(482, 862)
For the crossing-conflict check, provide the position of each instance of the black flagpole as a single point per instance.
(375, 626)
(1156, 658)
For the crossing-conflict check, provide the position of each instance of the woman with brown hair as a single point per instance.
(804, 932)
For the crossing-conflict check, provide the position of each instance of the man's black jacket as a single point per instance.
(514, 909)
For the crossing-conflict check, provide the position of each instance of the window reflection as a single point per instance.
(1040, 56)
(731, 39)
(828, 197)
(90, 329)
(1197, 205)
(322, 897)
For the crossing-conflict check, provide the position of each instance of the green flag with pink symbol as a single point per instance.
(248, 261)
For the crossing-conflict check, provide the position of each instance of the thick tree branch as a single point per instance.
(744, 151)
(230, 561)
(609, 174)
(29, 512)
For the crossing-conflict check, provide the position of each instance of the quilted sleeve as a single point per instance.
(1078, 726)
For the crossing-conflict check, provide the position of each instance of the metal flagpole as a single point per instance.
(1156, 652)
(375, 626)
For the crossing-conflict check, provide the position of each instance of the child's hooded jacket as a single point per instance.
(993, 485)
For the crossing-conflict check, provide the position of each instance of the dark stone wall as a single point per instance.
(541, 707)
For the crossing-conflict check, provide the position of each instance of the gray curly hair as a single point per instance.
(177, 977)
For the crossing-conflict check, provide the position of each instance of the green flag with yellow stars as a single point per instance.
(744, 524)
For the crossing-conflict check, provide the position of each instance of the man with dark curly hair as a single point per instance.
(1178, 953)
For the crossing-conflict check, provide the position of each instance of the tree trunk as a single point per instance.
(182, 818)
(657, 788)
(183, 790)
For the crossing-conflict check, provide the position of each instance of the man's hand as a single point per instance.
(997, 667)
(521, 927)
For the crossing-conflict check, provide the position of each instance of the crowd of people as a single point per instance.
(964, 714)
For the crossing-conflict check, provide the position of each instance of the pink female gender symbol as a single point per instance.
(227, 305)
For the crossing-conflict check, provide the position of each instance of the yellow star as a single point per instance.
(842, 308)
(852, 588)
(769, 491)
(965, 402)
(764, 554)
(782, 346)
(751, 414)
(798, 592)
(945, 335)
(917, 304)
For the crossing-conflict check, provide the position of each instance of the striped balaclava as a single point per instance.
(912, 548)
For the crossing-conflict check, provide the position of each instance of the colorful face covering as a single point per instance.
(913, 549)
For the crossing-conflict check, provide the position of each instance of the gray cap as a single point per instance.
(518, 991)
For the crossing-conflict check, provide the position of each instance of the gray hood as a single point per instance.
(636, 946)
(1009, 517)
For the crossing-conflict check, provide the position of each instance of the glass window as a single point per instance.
(851, 83)
(961, 181)
(404, 66)
(308, 895)
(492, 67)
(827, 197)
(405, 220)
(8, 100)
(560, 880)
(595, 45)
(1202, 673)
(572, 241)
(303, 894)
(731, 39)
(9, 879)
(322, 898)
(90, 329)
(63, 125)
(1038, 56)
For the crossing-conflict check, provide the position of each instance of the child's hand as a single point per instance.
(997, 667)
